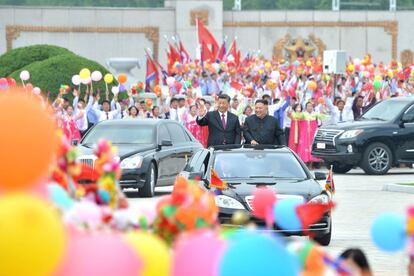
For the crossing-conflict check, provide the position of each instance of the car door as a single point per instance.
(182, 147)
(165, 156)
(406, 139)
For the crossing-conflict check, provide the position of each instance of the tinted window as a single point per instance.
(163, 133)
(384, 111)
(177, 134)
(192, 164)
(247, 164)
(121, 134)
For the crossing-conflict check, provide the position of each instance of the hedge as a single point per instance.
(18, 58)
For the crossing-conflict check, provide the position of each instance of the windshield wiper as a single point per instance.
(376, 119)
(87, 145)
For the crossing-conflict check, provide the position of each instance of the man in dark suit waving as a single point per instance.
(223, 126)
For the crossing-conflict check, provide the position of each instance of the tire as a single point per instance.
(377, 159)
(150, 182)
(341, 168)
(324, 239)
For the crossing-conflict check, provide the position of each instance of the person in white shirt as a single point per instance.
(341, 112)
(106, 113)
(81, 111)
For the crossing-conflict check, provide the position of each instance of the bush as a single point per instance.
(18, 58)
(53, 72)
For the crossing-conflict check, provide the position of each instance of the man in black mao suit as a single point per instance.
(223, 126)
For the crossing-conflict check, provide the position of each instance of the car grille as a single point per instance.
(327, 135)
(89, 161)
(249, 199)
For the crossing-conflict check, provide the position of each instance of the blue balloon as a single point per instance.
(59, 196)
(122, 88)
(388, 232)
(285, 214)
(259, 255)
(104, 195)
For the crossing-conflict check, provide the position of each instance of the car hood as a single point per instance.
(123, 151)
(305, 188)
(359, 124)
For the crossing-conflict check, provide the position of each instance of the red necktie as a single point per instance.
(223, 121)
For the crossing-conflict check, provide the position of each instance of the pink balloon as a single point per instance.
(84, 212)
(36, 91)
(198, 253)
(76, 80)
(24, 75)
(96, 76)
(98, 253)
(86, 81)
(263, 200)
(170, 81)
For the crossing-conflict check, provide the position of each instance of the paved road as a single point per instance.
(359, 200)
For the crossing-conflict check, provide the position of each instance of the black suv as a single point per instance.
(383, 137)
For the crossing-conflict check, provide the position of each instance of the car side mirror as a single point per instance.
(164, 143)
(320, 176)
(407, 118)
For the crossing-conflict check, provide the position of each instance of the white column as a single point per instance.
(237, 5)
(393, 5)
(336, 5)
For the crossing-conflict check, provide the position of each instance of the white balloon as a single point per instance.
(275, 75)
(96, 76)
(24, 75)
(76, 80)
(36, 91)
(115, 89)
(170, 81)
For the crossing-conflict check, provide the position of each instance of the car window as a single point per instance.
(163, 133)
(120, 134)
(265, 164)
(177, 134)
(190, 167)
(410, 110)
(384, 111)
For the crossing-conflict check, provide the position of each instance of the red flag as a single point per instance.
(206, 54)
(312, 212)
(151, 74)
(222, 51)
(234, 52)
(204, 36)
(236, 85)
(216, 182)
(185, 57)
(330, 185)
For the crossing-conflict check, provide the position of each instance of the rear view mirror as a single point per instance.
(407, 118)
(166, 143)
(320, 176)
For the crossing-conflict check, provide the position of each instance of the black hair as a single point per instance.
(81, 101)
(154, 107)
(181, 99)
(141, 102)
(340, 101)
(224, 97)
(106, 101)
(131, 107)
(294, 98)
(173, 100)
(265, 96)
(65, 99)
(358, 257)
(203, 100)
(245, 109)
(262, 102)
(296, 105)
(275, 101)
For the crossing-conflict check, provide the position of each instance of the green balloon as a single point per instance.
(377, 84)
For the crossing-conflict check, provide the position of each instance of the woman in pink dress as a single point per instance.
(69, 126)
(191, 124)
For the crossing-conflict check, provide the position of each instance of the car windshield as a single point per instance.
(258, 164)
(120, 134)
(384, 111)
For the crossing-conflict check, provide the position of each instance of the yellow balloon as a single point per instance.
(153, 252)
(84, 73)
(268, 65)
(32, 236)
(108, 78)
(308, 63)
(378, 78)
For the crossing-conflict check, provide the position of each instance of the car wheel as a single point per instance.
(324, 239)
(150, 182)
(377, 159)
(341, 168)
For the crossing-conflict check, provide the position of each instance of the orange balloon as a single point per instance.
(122, 78)
(28, 146)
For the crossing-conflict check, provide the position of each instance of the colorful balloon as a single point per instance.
(263, 200)
(109, 78)
(34, 138)
(85, 73)
(24, 75)
(122, 78)
(376, 84)
(76, 80)
(32, 234)
(115, 90)
(153, 252)
(285, 214)
(312, 85)
(388, 232)
(96, 76)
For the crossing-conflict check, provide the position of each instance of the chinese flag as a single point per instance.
(216, 182)
(204, 36)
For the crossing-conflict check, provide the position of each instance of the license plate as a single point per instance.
(320, 145)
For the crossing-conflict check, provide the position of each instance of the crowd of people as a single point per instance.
(275, 102)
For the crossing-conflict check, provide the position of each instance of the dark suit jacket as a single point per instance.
(265, 131)
(217, 135)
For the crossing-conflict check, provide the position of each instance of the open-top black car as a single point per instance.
(382, 138)
(152, 152)
(244, 167)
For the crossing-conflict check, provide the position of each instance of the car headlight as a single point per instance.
(132, 162)
(228, 202)
(351, 133)
(322, 198)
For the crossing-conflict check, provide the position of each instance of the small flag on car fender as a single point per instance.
(216, 181)
(330, 185)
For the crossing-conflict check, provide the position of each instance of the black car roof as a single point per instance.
(149, 122)
(402, 99)
(245, 148)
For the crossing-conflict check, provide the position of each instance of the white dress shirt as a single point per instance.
(103, 116)
(337, 116)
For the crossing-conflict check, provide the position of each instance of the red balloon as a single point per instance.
(3, 81)
(178, 86)
(263, 201)
(11, 82)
